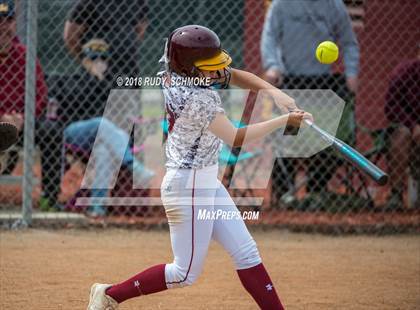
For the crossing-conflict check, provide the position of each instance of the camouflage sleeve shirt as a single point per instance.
(189, 112)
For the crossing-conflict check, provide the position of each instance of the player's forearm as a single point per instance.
(222, 127)
(247, 80)
(259, 130)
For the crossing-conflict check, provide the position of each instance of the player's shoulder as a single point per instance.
(205, 94)
(196, 94)
(188, 89)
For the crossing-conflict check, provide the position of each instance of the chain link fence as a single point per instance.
(79, 50)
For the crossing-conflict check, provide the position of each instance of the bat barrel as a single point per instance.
(362, 162)
(352, 155)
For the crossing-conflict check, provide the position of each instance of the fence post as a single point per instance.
(29, 128)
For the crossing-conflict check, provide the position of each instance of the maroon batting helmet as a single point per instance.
(192, 48)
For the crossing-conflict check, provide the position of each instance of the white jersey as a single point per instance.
(190, 110)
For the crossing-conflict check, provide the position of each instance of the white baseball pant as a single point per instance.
(185, 194)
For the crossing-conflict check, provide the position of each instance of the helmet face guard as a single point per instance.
(221, 81)
(219, 63)
(192, 49)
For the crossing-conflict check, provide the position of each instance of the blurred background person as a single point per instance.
(292, 31)
(82, 95)
(121, 23)
(81, 101)
(73, 98)
(12, 104)
(12, 68)
(402, 109)
(81, 137)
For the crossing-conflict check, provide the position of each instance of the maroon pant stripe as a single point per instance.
(192, 234)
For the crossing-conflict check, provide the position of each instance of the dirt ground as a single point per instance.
(42, 269)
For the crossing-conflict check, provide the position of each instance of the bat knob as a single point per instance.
(383, 179)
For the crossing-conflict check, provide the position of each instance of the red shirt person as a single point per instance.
(402, 109)
(403, 96)
(48, 133)
(12, 71)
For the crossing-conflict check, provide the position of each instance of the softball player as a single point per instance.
(197, 127)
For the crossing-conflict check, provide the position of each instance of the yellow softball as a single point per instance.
(327, 52)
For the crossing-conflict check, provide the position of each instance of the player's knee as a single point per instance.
(247, 256)
(190, 279)
(186, 278)
(178, 276)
